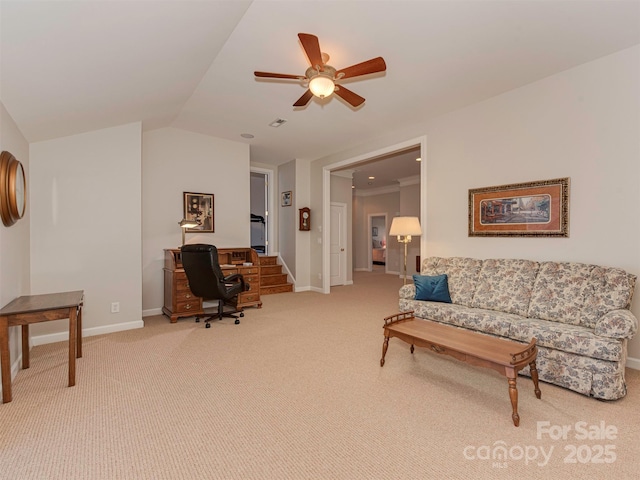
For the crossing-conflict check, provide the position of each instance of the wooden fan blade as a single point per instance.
(370, 66)
(304, 99)
(279, 75)
(350, 97)
(312, 48)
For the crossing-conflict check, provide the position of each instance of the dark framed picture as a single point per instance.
(199, 207)
(539, 209)
(286, 199)
(374, 231)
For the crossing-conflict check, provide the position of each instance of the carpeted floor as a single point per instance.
(296, 391)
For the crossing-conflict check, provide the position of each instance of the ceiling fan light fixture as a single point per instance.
(322, 85)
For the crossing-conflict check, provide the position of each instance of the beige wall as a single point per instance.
(410, 207)
(86, 226)
(14, 240)
(303, 244)
(582, 123)
(176, 161)
(287, 217)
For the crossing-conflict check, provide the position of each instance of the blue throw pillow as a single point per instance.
(432, 288)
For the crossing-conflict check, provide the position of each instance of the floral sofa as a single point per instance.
(578, 313)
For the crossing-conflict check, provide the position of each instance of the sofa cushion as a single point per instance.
(568, 338)
(577, 293)
(432, 288)
(487, 321)
(505, 285)
(462, 275)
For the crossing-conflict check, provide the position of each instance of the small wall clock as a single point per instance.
(13, 189)
(305, 219)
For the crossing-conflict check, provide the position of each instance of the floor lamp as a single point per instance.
(404, 228)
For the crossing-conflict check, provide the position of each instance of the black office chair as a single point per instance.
(207, 281)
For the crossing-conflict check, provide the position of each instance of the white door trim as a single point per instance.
(326, 196)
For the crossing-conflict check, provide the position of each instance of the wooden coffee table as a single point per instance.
(504, 356)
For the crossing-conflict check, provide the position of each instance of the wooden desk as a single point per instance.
(179, 301)
(34, 309)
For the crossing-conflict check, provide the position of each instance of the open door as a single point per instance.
(259, 212)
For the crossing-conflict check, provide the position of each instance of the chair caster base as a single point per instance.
(237, 321)
(197, 319)
(208, 325)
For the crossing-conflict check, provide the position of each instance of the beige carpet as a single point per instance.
(296, 392)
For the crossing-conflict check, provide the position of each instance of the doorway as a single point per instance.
(378, 242)
(420, 142)
(260, 206)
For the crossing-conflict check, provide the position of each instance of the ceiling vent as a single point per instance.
(277, 122)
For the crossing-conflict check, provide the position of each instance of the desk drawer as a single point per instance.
(248, 297)
(181, 282)
(193, 305)
(248, 270)
(253, 280)
(185, 295)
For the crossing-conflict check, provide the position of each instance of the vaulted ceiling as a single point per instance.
(75, 66)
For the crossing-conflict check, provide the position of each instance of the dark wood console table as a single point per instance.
(504, 356)
(34, 309)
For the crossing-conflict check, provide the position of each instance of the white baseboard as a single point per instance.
(633, 363)
(297, 289)
(86, 332)
(362, 270)
(64, 337)
(316, 289)
(15, 368)
(151, 312)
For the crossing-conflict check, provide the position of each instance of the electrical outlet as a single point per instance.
(115, 307)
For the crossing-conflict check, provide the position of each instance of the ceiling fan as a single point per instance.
(322, 77)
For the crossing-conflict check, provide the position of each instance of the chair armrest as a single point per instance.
(617, 324)
(235, 278)
(408, 291)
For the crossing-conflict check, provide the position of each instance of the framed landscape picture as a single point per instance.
(539, 209)
(199, 207)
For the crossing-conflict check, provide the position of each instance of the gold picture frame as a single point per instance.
(532, 209)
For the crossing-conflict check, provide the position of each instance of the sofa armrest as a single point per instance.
(617, 324)
(408, 291)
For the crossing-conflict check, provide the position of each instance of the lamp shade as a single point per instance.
(184, 223)
(404, 226)
(321, 85)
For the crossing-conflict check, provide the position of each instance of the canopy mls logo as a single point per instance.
(500, 452)
(595, 449)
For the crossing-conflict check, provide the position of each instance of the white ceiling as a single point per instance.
(75, 66)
